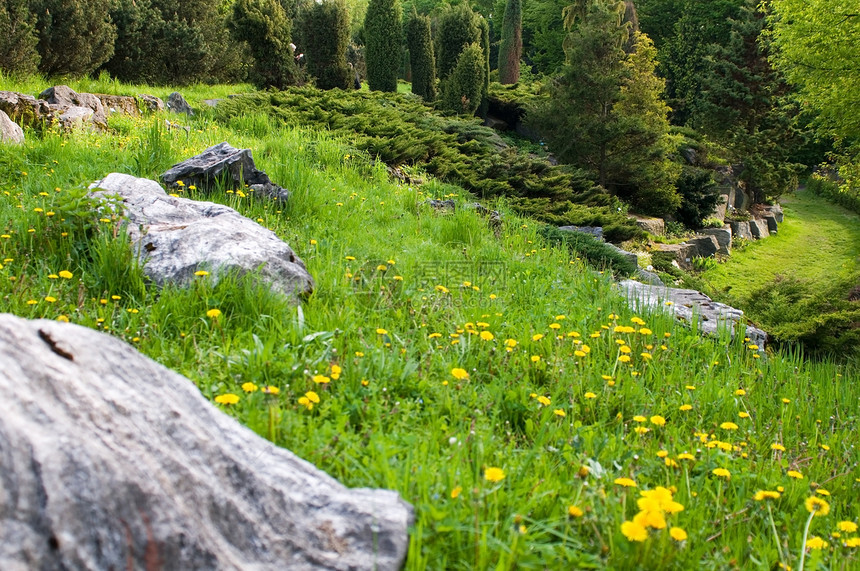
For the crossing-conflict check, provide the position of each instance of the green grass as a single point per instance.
(406, 297)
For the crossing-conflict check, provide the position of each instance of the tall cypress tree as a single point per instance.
(383, 44)
(421, 57)
(511, 47)
(458, 28)
(326, 38)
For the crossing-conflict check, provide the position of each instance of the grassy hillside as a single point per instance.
(492, 378)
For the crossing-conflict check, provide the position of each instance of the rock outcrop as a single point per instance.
(123, 104)
(150, 103)
(10, 132)
(25, 109)
(109, 460)
(175, 237)
(64, 98)
(223, 163)
(177, 104)
(691, 307)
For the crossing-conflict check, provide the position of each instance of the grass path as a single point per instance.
(817, 242)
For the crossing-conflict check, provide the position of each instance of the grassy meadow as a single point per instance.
(495, 380)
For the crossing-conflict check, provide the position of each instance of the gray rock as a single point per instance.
(770, 220)
(496, 123)
(720, 209)
(219, 162)
(75, 116)
(123, 104)
(596, 231)
(694, 308)
(706, 246)
(683, 253)
(723, 237)
(758, 229)
(177, 104)
(175, 237)
(150, 103)
(777, 212)
(10, 131)
(108, 460)
(741, 230)
(649, 278)
(690, 155)
(64, 97)
(26, 109)
(629, 255)
(212, 102)
(654, 226)
(441, 204)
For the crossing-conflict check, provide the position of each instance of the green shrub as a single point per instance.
(831, 190)
(383, 39)
(264, 26)
(462, 90)
(18, 40)
(421, 57)
(326, 39)
(597, 253)
(75, 36)
(458, 28)
(699, 196)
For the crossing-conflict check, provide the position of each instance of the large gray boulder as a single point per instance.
(758, 229)
(10, 131)
(175, 237)
(692, 307)
(220, 162)
(123, 104)
(777, 212)
(177, 104)
(654, 226)
(723, 237)
(682, 253)
(64, 97)
(109, 460)
(770, 220)
(25, 109)
(706, 246)
(741, 230)
(150, 103)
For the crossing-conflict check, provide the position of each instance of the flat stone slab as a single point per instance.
(175, 237)
(109, 460)
(691, 306)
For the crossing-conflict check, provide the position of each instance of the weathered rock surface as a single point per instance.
(25, 109)
(741, 230)
(596, 231)
(706, 246)
(177, 104)
(758, 229)
(770, 220)
(212, 102)
(648, 277)
(723, 237)
(683, 253)
(124, 104)
(10, 131)
(175, 237)
(65, 98)
(75, 116)
(150, 103)
(223, 161)
(692, 306)
(631, 257)
(655, 226)
(777, 212)
(109, 460)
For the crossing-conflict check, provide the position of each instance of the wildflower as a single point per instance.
(63, 318)
(116, 297)
(641, 430)
(201, 273)
(486, 336)
(794, 474)
(50, 299)
(722, 473)
(786, 401)
(249, 387)
(460, 374)
(817, 506)
(313, 242)
(309, 400)
(590, 396)
(350, 258)
(686, 456)
(639, 418)
(32, 302)
(624, 358)
(579, 353)
(685, 407)
(555, 326)
(625, 482)
(678, 534)
(645, 331)
(559, 412)
(335, 372)
(543, 400)
(537, 336)
(816, 543)
(658, 420)
(822, 492)
(766, 495)
(777, 446)
(66, 274)
(228, 398)
(271, 390)
(574, 511)
(690, 387)
(441, 288)
(359, 354)
(634, 531)
(847, 526)
(535, 358)
(213, 313)
(321, 379)
(729, 426)
(456, 492)
(853, 542)
(494, 474)
(381, 331)
(743, 414)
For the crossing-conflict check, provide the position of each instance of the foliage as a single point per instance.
(400, 130)
(383, 38)
(605, 114)
(458, 28)
(326, 39)
(18, 40)
(699, 196)
(75, 36)
(543, 35)
(597, 253)
(461, 91)
(484, 29)
(264, 27)
(834, 190)
(421, 57)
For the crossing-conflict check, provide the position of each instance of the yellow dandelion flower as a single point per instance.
(625, 482)
(321, 379)
(50, 299)
(590, 395)
(777, 446)
(486, 336)
(816, 543)
(686, 456)
(658, 420)
(228, 398)
(381, 331)
(853, 542)
(847, 526)
(743, 414)
(817, 506)
(535, 358)
(559, 412)
(537, 336)
(213, 313)
(762, 495)
(641, 430)
(249, 387)
(721, 473)
(543, 400)
(678, 534)
(455, 493)
(794, 474)
(574, 511)
(201, 273)
(66, 274)
(494, 474)
(634, 531)
(460, 374)
(685, 407)
(729, 426)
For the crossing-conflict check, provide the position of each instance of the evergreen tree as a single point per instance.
(458, 28)
(18, 40)
(263, 24)
(604, 114)
(383, 39)
(75, 36)
(462, 90)
(484, 29)
(421, 58)
(326, 40)
(511, 47)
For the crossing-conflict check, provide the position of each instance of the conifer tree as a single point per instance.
(511, 47)
(264, 25)
(422, 60)
(383, 39)
(462, 90)
(18, 40)
(75, 36)
(326, 40)
(458, 27)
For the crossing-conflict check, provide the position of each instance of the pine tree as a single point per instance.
(383, 39)
(75, 36)
(458, 27)
(326, 39)
(18, 40)
(264, 25)
(418, 38)
(462, 91)
(511, 47)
